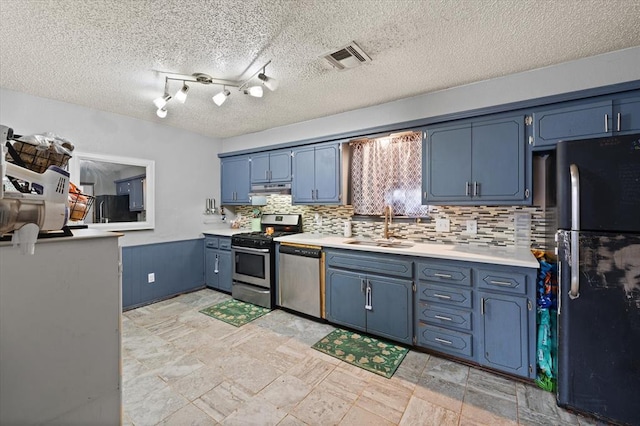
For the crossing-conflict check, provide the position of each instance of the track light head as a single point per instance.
(255, 91)
(162, 101)
(181, 95)
(270, 82)
(221, 97)
(161, 112)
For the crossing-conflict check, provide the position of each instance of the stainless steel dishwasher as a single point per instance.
(300, 283)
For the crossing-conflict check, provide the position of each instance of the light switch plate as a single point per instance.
(472, 227)
(442, 225)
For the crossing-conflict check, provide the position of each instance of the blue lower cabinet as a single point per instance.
(504, 324)
(217, 263)
(373, 303)
(445, 340)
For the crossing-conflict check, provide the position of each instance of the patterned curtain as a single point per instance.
(387, 171)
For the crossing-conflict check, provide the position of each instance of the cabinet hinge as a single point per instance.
(530, 368)
(526, 193)
(531, 140)
(424, 135)
(528, 120)
(529, 304)
(413, 287)
(415, 340)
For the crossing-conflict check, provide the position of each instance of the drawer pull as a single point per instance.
(446, 342)
(441, 296)
(502, 283)
(440, 317)
(442, 275)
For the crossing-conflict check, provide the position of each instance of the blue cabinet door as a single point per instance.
(446, 174)
(211, 265)
(235, 177)
(505, 337)
(391, 311)
(498, 159)
(345, 298)
(580, 120)
(260, 168)
(327, 174)
(136, 196)
(225, 270)
(626, 116)
(280, 166)
(304, 182)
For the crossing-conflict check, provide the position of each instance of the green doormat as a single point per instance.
(365, 352)
(235, 312)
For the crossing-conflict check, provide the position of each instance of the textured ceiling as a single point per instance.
(109, 54)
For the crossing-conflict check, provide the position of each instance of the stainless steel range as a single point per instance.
(254, 258)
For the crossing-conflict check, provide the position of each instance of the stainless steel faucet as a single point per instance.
(388, 214)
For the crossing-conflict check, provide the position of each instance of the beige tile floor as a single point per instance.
(181, 367)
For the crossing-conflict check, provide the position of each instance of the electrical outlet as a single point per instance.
(442, 225)
(472, 227)
(151, 278)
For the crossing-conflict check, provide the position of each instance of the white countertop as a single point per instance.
(78, 234)
(494, 255)
(226, 231)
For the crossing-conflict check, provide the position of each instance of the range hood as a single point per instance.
(270, 188)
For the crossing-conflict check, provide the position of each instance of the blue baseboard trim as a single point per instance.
(178, 267)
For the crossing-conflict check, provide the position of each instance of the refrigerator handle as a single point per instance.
(575, 229)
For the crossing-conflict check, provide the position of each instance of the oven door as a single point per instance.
(252, 266)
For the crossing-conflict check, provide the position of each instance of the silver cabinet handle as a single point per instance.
(619, 122)
(441, 296)
(476, 189)
(368, 305)
(316, 194)
(215, 268)
(446, 342)
(467, 187)
(606, 123)
(502, 283)
(574, 293)
(266, 174)
(437, 274)
(312, 192)
(440, 317)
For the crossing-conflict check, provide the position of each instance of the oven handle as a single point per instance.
(249, 250)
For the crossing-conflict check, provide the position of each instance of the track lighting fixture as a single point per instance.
(270, 82)
(181, 96)
(220, 98)
(255, 91)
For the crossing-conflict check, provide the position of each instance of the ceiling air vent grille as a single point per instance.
(349, 56)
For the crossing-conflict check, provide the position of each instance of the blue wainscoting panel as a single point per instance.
(178, 267)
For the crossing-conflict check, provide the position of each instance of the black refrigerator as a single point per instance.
(113, 208)
(598, 240)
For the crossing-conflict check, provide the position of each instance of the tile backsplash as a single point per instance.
(495, 225)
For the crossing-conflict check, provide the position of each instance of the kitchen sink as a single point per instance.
(380, 243)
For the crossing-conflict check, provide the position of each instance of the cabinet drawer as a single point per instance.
(444, 340)
(441, 294)
(210, 242)
(506, 281)
(442, 316)
(224, 243)
(365, 263)
(450, 274)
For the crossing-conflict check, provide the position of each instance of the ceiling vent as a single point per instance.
(349, 56)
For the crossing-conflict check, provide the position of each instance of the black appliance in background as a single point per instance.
(113, 208)
(598, 240)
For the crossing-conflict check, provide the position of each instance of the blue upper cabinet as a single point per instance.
(476, 162)
(316, 175)
(235, 176)
(604, 116)
(274, 166)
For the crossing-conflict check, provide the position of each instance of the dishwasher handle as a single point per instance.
(313, 252)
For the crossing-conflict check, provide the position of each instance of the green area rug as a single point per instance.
(235, 312)
(365, 352)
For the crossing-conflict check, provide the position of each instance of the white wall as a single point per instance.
(596, 71)
(186, 164)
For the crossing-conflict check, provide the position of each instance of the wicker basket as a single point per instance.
(79, 204)
(34, 158)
